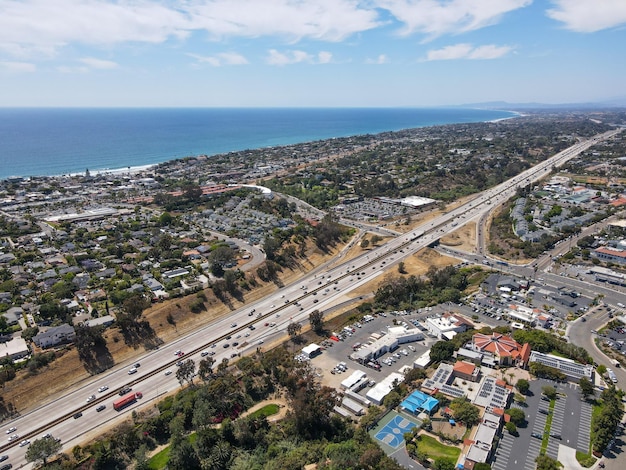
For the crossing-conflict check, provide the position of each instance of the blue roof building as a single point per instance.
(419, 401)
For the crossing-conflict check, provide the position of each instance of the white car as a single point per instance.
(25, 442)
(91, 398)
(10, 430)
(132, 370)
(168, 372)
(104, 388)
(13, 437)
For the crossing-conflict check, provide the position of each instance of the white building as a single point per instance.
(55, 335)
(378, 393)
(447, 325)
(311, 350)
(572, 369)
(14, 349)
(353, 379)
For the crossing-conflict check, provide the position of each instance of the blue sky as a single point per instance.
(380, 53)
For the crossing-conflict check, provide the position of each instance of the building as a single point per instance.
(611, 255)
(55, 335)
(353, 379)
(466, 371)
(481, 445)
(311, 350)
(523, 314)
(14, 349)
(105, 321)
(441, 382)
(502, 349)
(572, 369)
(13, 315)
(378, 393)
(423, 361)
(418, 402)
(493, 394)
(447, 325)
(387, 343)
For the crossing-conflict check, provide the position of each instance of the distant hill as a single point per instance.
(612, 103)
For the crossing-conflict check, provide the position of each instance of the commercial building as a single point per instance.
(353, 379)
(501, 349)
(481, 445)
(572, 369)
(311, 350)
(447, 325)
(378, 393)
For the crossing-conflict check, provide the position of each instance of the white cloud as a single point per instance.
(467, 51)
(31, 27)
(324, 57)
(99, 63)
(275, 57)
(35, 25)
(328, 20)
(437, 17)
(588, 16)
(18, 67)
(223, 58)
(381, 59)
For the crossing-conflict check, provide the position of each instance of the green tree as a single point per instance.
(465, 412)
(205, 369)
(549, 391)
(365, 243)
(443, 464)
(442, 351)
(293, 329)
(186, 372)
(545, 462)
(511, 428)
(42, 449)
(316, 320)
(522, 386)
(518, 417)
(586, 387)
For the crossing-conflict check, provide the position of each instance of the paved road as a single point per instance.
(291, 303)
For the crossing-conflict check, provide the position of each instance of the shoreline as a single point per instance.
(138, 169)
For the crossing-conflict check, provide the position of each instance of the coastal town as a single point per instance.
(497, 344)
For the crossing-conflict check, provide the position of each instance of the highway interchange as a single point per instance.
(320, 289)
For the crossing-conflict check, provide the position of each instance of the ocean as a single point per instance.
(58, 141)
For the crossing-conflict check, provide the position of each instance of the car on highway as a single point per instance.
(204, 353)
(168, 372)
(91, 398)
(179, 363)
(235, 344)
(226, 345)
(13, 437)
(24, 443)
(77, 415)
(233, 325)
(132, 370)
(104, 388)
(10, 430)
(6, 467)
(124, 390)
(3, 458)
(137, 365)
(177, 352)
(101, 408)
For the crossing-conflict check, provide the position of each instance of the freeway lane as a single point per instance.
(318, 290)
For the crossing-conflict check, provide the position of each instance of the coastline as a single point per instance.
(113, 136)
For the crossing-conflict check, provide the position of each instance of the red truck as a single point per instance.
(126, 400)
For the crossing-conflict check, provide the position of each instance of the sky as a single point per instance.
(310, 53)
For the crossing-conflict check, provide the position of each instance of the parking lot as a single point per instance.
(571, 422)
(339, 351)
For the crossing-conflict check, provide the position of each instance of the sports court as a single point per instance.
(392, 432)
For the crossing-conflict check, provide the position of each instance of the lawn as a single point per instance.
(435, 449)
(160, 459)
(267, 410)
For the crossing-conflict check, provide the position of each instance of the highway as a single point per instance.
(270, 316)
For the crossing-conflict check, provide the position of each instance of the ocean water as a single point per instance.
(57, 141)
